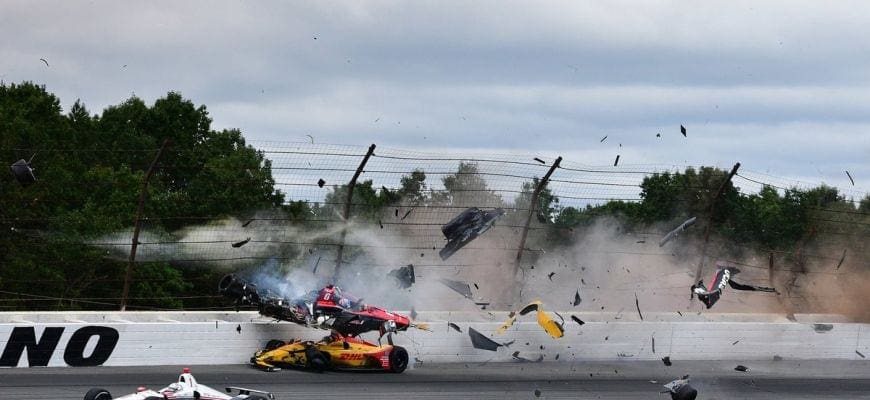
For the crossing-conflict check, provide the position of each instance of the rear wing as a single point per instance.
(249, 391)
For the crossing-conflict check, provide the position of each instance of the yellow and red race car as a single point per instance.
(332, 352)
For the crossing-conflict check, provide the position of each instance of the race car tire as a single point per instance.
(317, 360)
(274, 344)
(398, 359)
(98, 394)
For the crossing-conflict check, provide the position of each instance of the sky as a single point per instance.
(781, 87)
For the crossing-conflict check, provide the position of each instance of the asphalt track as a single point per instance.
(554, 380)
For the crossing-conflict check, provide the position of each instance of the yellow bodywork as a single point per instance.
(348, 353)
(550, 326)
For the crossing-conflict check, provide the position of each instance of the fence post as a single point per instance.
(347, 204)
(137, 224)
(532, 205)
(710, 220)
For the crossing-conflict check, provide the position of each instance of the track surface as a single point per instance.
(555, 380)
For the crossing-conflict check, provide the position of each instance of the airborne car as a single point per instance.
(332, 352)
(185, 389)
(465, 227)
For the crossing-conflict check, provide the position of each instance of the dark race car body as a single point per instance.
(465, 227)
(348, 322)
(723, 276)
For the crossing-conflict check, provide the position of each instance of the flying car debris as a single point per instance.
(454, 327)
(616, 162)
(467, 226)
(537, 392)
(680, 389)
(550, 326)
(822, 328)
(516, 355)
(539, 160)
(850, 178)
(321, 182)
(859, 353)
(457, 286)
(404, 276)
(577, 320)
(741, 368)
(46, 62)
(577, 298)
(667, 361)
(23, 172)
(315, 265)
(722, 277)
(653, 344)
(637, 304)
(484, 343)
(676, 232)
(842, 258)
(242, 243)
(248, 222)
(406, 214)
(413, 313)
(602, 139)
(550, 275)
(381, 224)
(683, 130)
(482, 305)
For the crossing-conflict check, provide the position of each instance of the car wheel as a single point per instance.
(98, 394)
(274, 344)
(317, 360)
(398, 359)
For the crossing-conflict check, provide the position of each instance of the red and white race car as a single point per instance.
(185, 389)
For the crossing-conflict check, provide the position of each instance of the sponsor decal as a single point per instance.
(39, 352)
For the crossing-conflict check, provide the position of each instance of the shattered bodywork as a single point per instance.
(723, 276)
(467, 226)
(552, 327)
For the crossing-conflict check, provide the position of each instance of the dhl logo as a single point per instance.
(348, 356)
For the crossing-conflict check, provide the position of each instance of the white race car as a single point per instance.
(185, 389)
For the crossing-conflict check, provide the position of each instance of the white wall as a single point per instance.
(214, 338)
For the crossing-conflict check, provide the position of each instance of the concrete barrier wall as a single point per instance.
(63, 339)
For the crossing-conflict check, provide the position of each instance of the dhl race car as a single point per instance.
(332, 352)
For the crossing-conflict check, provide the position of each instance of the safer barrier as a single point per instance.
(199, 338)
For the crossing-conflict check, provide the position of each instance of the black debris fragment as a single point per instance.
(404, 276)
(454, 327)
(681, 314)
(676, 232)
(476, 287)
(539, 160)
(239, 329)
(776, 357)
(537, 392)
(680, 389)
(381, 224)
(459, 287)
(667, 361)
(822, 328)
(602, 139)
(397, 212)
(850, 178)
(242, 243)
(859, 353)
(658, 134)
(467, 226)
(315, 265)
(577, 320)
(482, 305)
(248, 222)
(735, 342)
(842, 258)
(683, 130)
(550, 275)
(321, 182)
(616, 161)
(637, 304)
(43, 60)
(557, 357)
(653, 344)
(23, 172)
(516, 355)
(641, 241)
(406, 214)
(577, 298)
(741, 368)
(484, 343)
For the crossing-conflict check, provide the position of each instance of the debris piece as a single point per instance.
(681, 314)
(850, 178)
(537, 392)
(479, 341)
(637, 304)
(381, 224)
(550, 275)
(539, 160)
(476, 287)
(674, 233)
(557, 357)
(316, 264)
(577, 320)
(822, 328)
(722, 277)
(680, 389)
(859, 353)
(321, 182)
(242, 243)
(404, 276)
(842, 258)
(683, 130)
(577, 298)
(653, 344)
(602, 139)
(454, 326)
(641, 241)
(741, 368)
(239, 329)
(616, 162)
(248, 222)
(667, 361)
(552, 327)
(23, 172)
(459, 287)
(623, 355)
(735, 342)
(311, 137)
(406, 214)
(467, 226)
(397, 212)
(516, 356)
(776, 357)
(413, 313)
(658, 134)
(481, 305)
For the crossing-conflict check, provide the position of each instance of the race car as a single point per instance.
(186, 388)
(465, 227)
(348, 322)
(332, 352)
